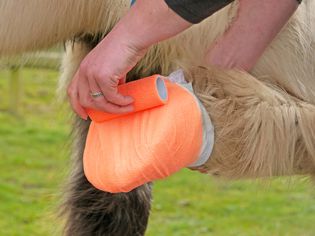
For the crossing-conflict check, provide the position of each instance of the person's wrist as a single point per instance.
(128, 33)
(128, 44)
(242, 44)
(147, 24)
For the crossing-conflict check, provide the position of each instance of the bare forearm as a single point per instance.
(149, 22)
(257, 24)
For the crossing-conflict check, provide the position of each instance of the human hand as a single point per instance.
(101, 71)
(146, 23)
(256, 25)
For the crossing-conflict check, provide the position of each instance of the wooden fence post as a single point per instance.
(15, 90)
(45, 60)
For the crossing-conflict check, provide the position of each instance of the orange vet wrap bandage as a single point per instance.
(125, 152)
(147, 93)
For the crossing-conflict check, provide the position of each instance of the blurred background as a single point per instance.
(34, 162)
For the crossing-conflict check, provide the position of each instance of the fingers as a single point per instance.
(101, 103)
(79, 92)
(74, 98)
(122, 80)
(108, 86)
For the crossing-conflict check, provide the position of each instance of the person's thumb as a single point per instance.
(112, 95)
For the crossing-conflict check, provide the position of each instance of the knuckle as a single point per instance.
(107, 79)
(104, 73)
(104, 106)
(102, 80)
(111, 97)
(101, 103)
(84, 102)
(107, 108)
(86, 70)
(70, 91)
(84, 66)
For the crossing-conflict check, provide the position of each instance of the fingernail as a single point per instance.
(129, 99)
(84, 117)
(129, 109)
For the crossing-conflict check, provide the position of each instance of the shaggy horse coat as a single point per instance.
(264, 122)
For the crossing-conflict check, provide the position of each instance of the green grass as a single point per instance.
(34, 160)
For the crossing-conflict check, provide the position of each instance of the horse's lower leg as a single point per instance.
(89, 211)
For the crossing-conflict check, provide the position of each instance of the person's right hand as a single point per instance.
(101, 71)
(145, 24)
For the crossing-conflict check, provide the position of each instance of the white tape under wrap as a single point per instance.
(208, 129)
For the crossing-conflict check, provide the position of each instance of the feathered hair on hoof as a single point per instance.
(260, 129)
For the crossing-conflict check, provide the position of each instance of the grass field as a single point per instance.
(34, 161)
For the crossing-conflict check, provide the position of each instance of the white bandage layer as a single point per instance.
(208, 129)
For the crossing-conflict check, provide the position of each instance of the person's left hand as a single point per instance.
(256, 25)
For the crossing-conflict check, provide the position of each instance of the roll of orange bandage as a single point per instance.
(147, 93)
(124, 152)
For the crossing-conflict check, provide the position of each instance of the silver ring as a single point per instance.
(96, 94)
